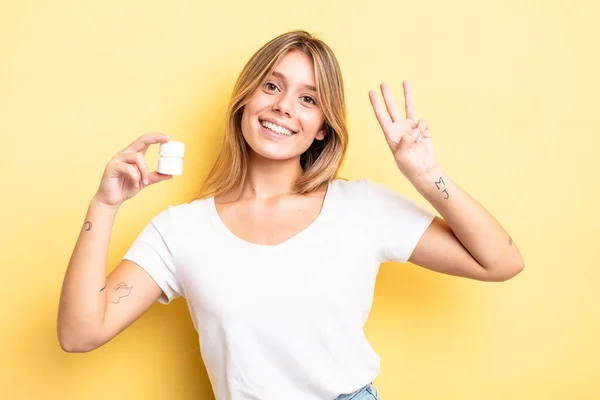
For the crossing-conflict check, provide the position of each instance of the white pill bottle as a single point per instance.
(171, 158)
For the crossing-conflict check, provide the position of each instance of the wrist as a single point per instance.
(428, 177)
(100, 204)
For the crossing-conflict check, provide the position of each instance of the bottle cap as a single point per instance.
(171, 149)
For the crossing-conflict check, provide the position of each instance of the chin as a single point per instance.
(270, 152)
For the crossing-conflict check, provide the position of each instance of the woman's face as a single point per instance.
(283, 118)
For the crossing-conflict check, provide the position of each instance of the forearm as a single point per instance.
(472, 224)
(83, 298)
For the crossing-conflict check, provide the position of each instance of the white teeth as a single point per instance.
(276, 128)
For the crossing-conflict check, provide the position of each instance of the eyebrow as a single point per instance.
(280, 75)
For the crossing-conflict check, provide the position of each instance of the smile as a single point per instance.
(276, 128)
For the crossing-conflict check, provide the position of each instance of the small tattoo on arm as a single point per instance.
(122, 290)
(437, 185)
(88, 225)
(442, 181)
(509, 241)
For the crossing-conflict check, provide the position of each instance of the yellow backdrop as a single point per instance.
(510, 91)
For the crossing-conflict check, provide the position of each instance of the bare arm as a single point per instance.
(89, 317)
(90, 312)
(83, 295)
(469, 241)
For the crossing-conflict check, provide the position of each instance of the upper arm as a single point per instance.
(440, 250)
(130, 291)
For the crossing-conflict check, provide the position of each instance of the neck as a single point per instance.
(267, 179)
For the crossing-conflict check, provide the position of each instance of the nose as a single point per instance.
(283, 104)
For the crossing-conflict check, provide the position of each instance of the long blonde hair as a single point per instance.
(323, 159)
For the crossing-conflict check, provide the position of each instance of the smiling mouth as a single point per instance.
(276, 128)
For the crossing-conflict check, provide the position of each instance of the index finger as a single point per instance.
(409, 102)
(142, 143)
(380, 112)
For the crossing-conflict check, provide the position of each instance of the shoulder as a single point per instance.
(180, 214)
(349, 196)
(351, 187)
(375, 196)
(360, 189)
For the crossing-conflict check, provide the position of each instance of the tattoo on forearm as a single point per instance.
(437, 185)
(442, 181)
(88, 225)
(122, 290)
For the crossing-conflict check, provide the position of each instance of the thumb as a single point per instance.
(156, 177)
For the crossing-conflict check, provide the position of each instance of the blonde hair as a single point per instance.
(323, 159)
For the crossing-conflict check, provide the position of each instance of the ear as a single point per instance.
(321, 134)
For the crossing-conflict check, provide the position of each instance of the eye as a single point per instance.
(310, 99)
(270, 86)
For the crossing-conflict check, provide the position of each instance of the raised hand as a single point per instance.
(127, 173)
(408, 138)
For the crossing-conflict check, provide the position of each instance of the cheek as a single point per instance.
(259, 101)
(251, 109)
(253, 104)
(245, 119)
(312, 121)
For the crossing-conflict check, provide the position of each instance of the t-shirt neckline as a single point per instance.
(325, 210)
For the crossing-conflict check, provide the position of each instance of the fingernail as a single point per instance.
(415, 132)
(146, 181)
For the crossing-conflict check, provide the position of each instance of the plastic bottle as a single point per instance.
(171, 158)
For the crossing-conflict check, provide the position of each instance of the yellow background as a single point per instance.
(510, 91)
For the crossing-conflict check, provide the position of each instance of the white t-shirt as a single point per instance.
(285, 321)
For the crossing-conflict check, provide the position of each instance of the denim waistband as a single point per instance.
(349, 396)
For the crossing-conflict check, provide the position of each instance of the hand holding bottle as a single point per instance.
(127, 173)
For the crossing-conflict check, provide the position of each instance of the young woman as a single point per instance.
(277, 256)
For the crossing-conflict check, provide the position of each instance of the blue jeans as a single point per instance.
(365, 393)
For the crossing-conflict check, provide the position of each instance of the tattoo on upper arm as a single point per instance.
(443, 191)
(122, 290)
(88, 225)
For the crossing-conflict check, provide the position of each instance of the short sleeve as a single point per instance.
(153, 250)
(398, 222)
